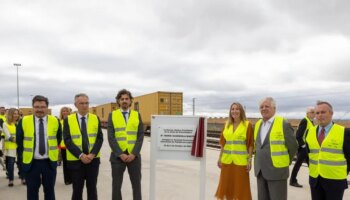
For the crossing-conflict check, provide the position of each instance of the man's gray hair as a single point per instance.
(269, 99)
(80, 95)
(311, 108)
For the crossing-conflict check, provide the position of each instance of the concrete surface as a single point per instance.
(176, 180)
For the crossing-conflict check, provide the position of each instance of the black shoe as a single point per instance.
(10, 184)
(67, 183)
(295, 184)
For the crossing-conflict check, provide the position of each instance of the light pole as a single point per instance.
(17, 65)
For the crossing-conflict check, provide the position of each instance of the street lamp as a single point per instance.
(17, 65)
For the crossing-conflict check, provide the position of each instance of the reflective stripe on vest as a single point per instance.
(28, 141)
(77, 139)
(125, 134)
(235, 148)
(12, 130)
(279, 152)
(63, 145)
(328, 160)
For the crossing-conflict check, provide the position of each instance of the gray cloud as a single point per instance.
(215, 51)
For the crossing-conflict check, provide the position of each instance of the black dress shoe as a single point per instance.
(67, 183)
(10, 184)
(295, 184)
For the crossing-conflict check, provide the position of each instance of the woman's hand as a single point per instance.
(249, 165)
(219, 164)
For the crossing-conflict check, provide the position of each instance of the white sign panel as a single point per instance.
(176, 138)
(171, 139)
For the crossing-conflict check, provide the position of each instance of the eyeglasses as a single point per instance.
(39, 107)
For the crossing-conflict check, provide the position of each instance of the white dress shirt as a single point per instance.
(264, 128)
(126, 115)
(36, 148)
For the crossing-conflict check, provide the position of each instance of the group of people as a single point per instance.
(39, 140)
(325, 147)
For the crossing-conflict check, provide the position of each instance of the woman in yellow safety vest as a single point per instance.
(235, 158)
(64, 112)
(9, 128)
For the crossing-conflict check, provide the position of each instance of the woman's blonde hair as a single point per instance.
(242, 116)
(64, 108)
(9, 115)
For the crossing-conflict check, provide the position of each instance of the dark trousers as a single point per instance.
(302, 155)
(66, 174)
(323, 191)
(86, 173)
(41, 172)
(10, 167)
(134, 169)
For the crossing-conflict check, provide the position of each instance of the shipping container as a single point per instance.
(102, 111)
(158, 103)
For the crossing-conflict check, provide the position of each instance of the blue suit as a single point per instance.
(38, 171)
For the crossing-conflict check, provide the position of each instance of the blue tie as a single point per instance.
(124, 115)
(84, 136)
(41, 138)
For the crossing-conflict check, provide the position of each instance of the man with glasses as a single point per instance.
(37, 137)
(83, 138)
(304, 125)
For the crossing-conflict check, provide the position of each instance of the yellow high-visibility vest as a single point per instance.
(77, 139)
(4, 120)
(327, 160)
(235, 149)
(12, 130)
(125, 134)
(29, 137)
(308, 126)
(63, 145)
(279, 152)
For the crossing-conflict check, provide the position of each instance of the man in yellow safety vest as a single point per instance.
(275, 147)
(37, 138)
(328, 146)
(125, 137)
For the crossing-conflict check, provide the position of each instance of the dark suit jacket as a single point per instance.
(76, 151)
(263, 160)
(116, 151)
(329, 182)
(19, 141)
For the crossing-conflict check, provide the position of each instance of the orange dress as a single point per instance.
(234, 181)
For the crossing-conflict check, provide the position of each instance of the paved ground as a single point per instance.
(175, 180)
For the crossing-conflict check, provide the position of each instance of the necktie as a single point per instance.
(85, 136)
(125, 117)
(321, 136)
(41, 137)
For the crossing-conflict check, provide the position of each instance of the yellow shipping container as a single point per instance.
(158, 103)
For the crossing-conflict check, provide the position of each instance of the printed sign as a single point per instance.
(178, 138)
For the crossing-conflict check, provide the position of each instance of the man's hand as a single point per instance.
(84, 158)
(130, 158)
(123, 157)
(91, 156)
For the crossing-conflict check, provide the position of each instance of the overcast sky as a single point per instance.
(214, 51)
